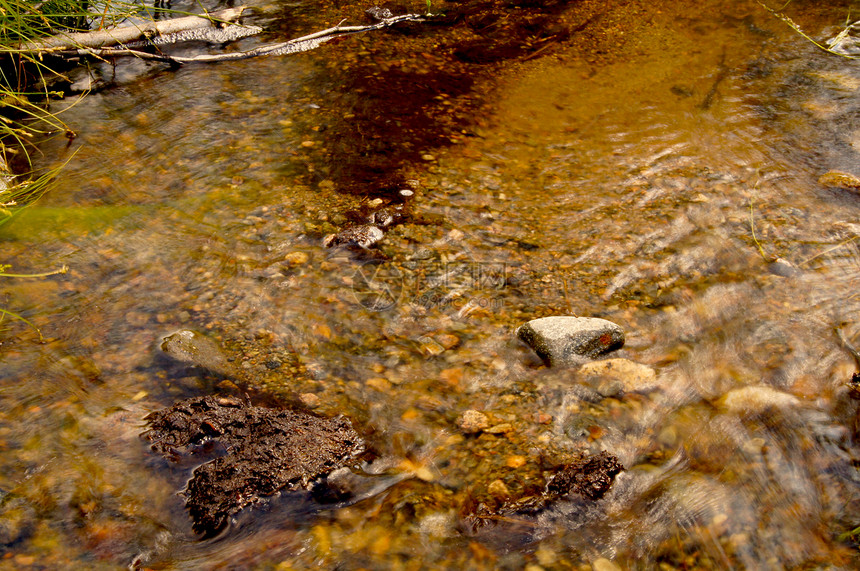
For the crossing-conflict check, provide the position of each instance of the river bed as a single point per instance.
(647, 163)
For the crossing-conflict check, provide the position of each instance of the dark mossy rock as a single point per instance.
(268, 450)
(588, 477)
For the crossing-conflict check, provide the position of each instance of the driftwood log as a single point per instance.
(301, 44)
(126, 34)
(99, 43)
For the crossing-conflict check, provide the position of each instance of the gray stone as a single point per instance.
(566, 340)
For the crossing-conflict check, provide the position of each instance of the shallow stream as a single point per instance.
(648, 163)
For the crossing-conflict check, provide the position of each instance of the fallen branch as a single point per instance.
(304, 43)
(126, 34)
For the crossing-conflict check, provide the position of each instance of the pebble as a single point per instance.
(499, 490)
(840, 180)
(428, 158)
(447, 340)
(189, 346)
(378, 383)
(604, 564)
(515, 461)
(430, 346)
(473, 421)
(783, 268)
(757, 399)
(310, 400)
(364, 236)
(297, 258)
(501, 428)
(632, 376)
(566, 340)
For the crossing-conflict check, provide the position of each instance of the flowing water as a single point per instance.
(649, 167)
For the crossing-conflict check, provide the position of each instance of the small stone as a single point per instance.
(447, 340)
(428, 158)
(378, 383)
(430, 347)
(515, 461)
(310, 400)
(610, 388)
(604, 564)
(473, 421)
(840, 180)
(297, 258)
(503, 428)
(363, 236)
(633, 376)
(439, 525)
(566, 340)
(226, 385)
(668, 437)
(189, 346)
(406, 193)
(757, 399)
(308, 144)
(499, 490)
(783, 268)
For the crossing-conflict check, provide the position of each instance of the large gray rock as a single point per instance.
(566, 340)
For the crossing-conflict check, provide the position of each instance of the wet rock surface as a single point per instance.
(564, 340)
(268, 450)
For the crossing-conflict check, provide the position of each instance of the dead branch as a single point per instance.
(126, 34)
(291, 46)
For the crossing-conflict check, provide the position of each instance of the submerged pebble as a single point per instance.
(566, 340)
(363, 236)
(473, 421)
(838, 179)
(192, 347)
(632, 376)
(757, 399)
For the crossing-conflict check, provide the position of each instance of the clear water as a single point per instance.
(620, 175)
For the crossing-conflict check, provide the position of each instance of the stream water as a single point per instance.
(643, 162)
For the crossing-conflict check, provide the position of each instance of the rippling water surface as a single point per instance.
(658, 168)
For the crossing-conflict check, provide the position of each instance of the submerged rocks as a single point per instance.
(267, 450)
(566, 340)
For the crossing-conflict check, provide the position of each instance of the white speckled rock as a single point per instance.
(566, 340)
(364, 236)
